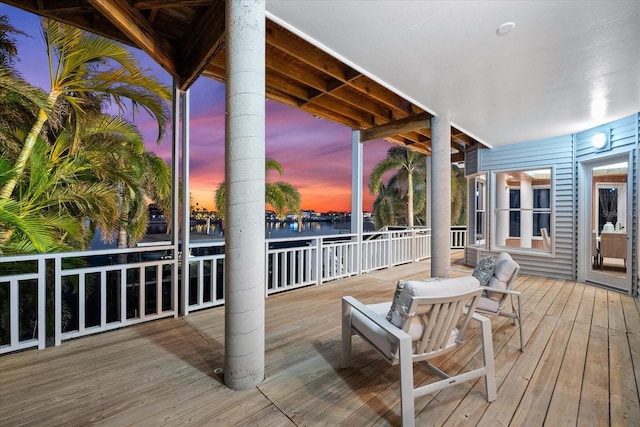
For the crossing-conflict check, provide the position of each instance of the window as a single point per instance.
(477, 191)
(523, 209)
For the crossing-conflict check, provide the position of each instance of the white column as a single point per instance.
(356, 194)
(429, 193)
(502, 213)
(441, 190)
(186, 202)
(526, 213)
(245, 186)
(175, 199)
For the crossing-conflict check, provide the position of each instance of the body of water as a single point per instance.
(273, 230)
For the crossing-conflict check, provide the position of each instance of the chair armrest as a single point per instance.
(382, 322)
(456, 270)
(480, 318)
(501, 291)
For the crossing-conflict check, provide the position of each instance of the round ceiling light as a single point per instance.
(505, 28)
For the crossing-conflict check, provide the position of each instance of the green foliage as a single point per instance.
(408, 183)
(281, 196)
(64, 161)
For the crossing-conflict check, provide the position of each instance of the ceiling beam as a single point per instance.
(202, 44)
(396, 127)
(162, 4)
(135, 26)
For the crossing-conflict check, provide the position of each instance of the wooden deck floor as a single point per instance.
(581, 366)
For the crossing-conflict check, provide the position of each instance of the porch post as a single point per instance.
(186, 202)
(245, 186)
(428, 193)
(175, 199)
(356, 194)
(441, 187)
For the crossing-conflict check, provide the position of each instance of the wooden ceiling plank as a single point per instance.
(305, 52)
(203, 43)
(380, 93)
(396, 127)
(131, 22)
(295, 72)
(328, 102)
(163, 4)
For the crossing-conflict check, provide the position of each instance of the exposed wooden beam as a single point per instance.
(400, 106)
(162, 4)
(134, 25)
(397, 127)
(202, 43)
(305, 52)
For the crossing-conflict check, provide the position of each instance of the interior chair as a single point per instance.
(424, 320)
(546, 240)
(595, 250)
(498, 289)
(613, 245)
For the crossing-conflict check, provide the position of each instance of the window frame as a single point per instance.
(494, 210)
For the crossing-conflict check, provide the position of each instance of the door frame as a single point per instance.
(584, 216)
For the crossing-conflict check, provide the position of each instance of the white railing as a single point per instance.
(91, 292)
(458, 237)
(206, 275)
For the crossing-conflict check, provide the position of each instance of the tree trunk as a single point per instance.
(410, 200)
(29, 143)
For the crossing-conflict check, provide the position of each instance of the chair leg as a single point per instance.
(520, 324)
(406, 383)
(346, 334)
(489, 363)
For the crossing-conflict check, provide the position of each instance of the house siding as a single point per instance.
(563, 154)
(624, 135)
(555, 153)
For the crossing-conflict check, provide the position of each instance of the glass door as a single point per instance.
(605, 226)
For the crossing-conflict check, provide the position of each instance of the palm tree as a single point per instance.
(409, 166)
(281, 196)
(8, 47)
(77, 62)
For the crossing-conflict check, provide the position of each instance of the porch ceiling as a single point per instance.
(186, 37)
(390, 67)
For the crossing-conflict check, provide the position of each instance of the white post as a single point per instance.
(245, 186)
(441, 187)
(356, 194)
(429, 193)
(502, 213)
(178, 301)
(186, 201)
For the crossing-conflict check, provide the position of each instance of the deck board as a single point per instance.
(581, 366)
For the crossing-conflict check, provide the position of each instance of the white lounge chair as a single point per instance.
(494, 299)
(427, 320)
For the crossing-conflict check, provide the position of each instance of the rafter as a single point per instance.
(396, 127)
(131, 22)
(202, 43)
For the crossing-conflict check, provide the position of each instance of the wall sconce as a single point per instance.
(600, 141)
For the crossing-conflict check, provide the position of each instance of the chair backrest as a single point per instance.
(433, 313)
(613, 245)
(504, 276)
(546, 240)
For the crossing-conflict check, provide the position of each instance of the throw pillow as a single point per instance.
(484, 270)
(394, 316)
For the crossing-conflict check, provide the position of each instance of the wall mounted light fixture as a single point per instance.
(600, 141)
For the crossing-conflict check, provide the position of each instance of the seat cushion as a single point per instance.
(372, 332)
(484, 270)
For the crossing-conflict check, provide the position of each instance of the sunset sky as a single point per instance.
(315, 154)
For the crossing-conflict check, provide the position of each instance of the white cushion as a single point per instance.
(372, 332)
(505, 267)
